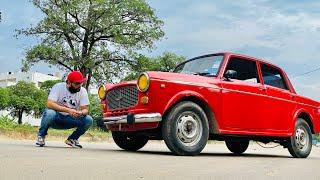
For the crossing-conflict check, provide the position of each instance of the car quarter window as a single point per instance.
(246, 70)
(273, 77)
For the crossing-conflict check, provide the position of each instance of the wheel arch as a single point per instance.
(199, 100)
(306, 116)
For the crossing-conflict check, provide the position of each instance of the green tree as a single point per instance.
(4, 98)
(95, 111)
(166, 62)
(96, 37)
(26, 98)
(47, 85)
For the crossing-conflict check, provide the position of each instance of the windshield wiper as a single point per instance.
(204, 74)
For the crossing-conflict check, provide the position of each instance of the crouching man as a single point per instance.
(67, 107)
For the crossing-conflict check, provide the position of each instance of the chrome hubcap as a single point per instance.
(189, 129)
(301, 138)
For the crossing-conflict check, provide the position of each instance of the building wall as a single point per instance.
(7, 79)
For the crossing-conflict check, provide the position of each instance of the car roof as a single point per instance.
(234, 54)
(291, 88)
(249, 57)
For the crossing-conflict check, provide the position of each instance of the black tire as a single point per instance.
(129, 142)
(237, 146)
(185, 129)
(300, 143)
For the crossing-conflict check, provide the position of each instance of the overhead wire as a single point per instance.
(305, 73)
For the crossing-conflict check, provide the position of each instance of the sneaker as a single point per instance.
(40, 141)
(73, 143)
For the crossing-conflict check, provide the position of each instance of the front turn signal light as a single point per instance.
(143, 82)
(144, 100)
(102, 92)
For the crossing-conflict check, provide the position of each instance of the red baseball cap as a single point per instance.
(76, 77)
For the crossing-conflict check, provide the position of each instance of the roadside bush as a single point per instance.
(9, 124)
(96, 113)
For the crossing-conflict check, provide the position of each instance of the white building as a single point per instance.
(9, 78)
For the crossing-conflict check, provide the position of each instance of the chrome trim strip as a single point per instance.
(139, 118)
(207, 85)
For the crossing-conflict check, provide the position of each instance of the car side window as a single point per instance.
(245, 70)
(273, 77)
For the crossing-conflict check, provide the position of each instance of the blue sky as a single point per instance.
(286, 33)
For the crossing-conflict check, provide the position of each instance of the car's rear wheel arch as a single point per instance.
(213, 126)
(305, 116)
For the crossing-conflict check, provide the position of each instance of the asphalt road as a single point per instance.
(22, 160)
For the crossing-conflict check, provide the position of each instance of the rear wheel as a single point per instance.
(237, 146)
(185, 130)
(129, 142)
(300, 143)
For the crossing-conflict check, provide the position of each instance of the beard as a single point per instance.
(73, 90)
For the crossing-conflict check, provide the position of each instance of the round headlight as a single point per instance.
(102, 92)
(143, 82)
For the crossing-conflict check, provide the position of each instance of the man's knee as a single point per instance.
(88, 121)
(49, 113)
(47, 120)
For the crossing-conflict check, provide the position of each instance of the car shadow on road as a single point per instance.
(168, 153)
(250, 155)
(206, 154)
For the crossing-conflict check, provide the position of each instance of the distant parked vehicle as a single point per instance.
(224, 96)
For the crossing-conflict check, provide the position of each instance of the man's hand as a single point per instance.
(74, 113)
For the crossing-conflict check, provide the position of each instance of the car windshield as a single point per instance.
(204, 66)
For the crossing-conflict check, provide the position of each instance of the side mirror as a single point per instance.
(230, 74)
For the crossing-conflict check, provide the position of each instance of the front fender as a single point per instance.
(183, 94)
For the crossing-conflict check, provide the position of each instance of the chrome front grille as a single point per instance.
(122, 97)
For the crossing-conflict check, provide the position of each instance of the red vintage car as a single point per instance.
(224, 96)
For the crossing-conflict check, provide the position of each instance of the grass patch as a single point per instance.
(11, 129)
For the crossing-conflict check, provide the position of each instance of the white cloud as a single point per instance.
(291, 32)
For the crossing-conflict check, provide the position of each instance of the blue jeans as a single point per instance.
(56, 120)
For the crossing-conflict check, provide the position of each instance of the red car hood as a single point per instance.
(125, 83)
(179, 77)
(170, 77)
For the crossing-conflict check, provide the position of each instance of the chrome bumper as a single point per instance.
(133, 118)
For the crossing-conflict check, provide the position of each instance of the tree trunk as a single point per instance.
(89, 79)
(20, 112)
(86, 73)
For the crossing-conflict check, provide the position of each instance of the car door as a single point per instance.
(243, 97)
(280, 101)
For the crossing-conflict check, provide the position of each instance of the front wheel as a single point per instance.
(185, 130)
(237, 146)
(129, 142)
(300, 143)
